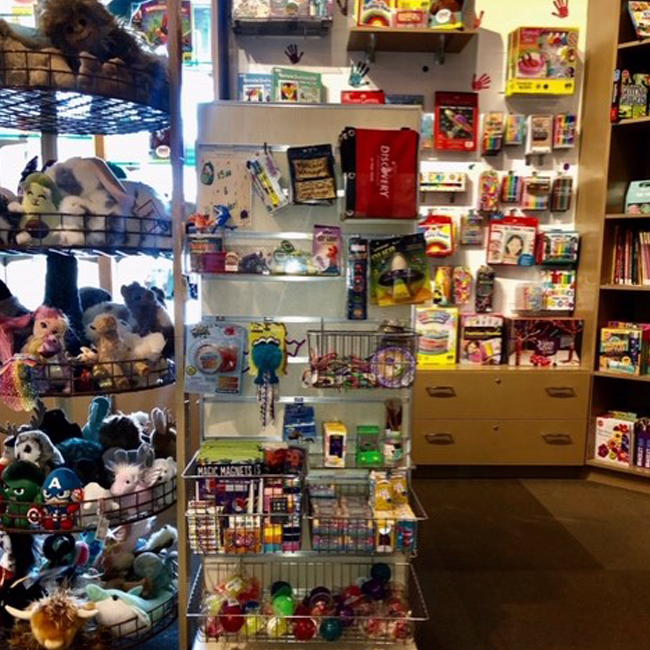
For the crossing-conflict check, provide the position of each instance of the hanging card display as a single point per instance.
(456, 121)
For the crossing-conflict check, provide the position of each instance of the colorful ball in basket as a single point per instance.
(281, 588)
(331, 629)
(374, 588)
(304, 629)
(254, 624)
(346, 615)
(352, 595)
(231, 618)
(319, 590)
(277, 626)
(381, 572)
(393, 366)
(283, 606)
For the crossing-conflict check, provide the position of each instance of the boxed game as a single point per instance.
(637, 199)
(375, 13)
(640, 16)
(291, 86)
(456, 121)
(542, 61)
(481, 339)
(437, 327)
(614, 440)
(545, 342)
(632, 95)
(624, 349)
(254, 87)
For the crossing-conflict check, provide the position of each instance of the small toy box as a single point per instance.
(481, 339)
(615, 438)
(545, 342)
(542, 61)
(437, 327)
(439, 181)
(335, 444)
(624, 350)
(637, 199)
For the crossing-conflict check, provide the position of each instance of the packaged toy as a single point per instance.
(393, 444)
(542, 61)
(439, 235)
(411, 13)
(385, 532)
(381, 172)
(266, 178)
(299, 423)
(363, 97)
(456, 121)
(446, 14)
(624, 350)
(516, 129)
(529, 296)
(637, 199)
(375, 13)
(511, 241)
(254, 87)
(369, 452)
(437, 327)
(536, 193)
(442, 281)
(484, 292)
(481, 339)
(642, 443)
(471, 229)
(462, 280)
(511, 187)
(326, 249)
(561, 194)
(558, 247)
(493, 130)
(292, 86)
(539, 135)
(381, 491)
(631, 95)
(640, 16)
(545, 342)
(426, 131)
(439, 181)
(312, 174)
(564, 130)
(614, 441)
(399, 271)
(357, 279)
(215, 357)
(229, 458)
(559, 290)
(488, 192)
(334, 444)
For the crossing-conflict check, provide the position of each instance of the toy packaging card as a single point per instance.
(614, 442)
(511, 241)
(564, 130)
(439, 181)
(456, 121)
(215, 358)
(637, 198)
(539, 138)
(399, 270)
(411, 13)
(266, 177)
(254, 87)
(292, 86)
(363, 97)
(334, 444)
(536, 193)
(545, 342)
(150, 19)
(437, 327)
(624, 350)
(312, 174)
(299, 423)
(493, 131)
(357, 279)
(229, 457)
(640, 16)
(375, 13)
(426, 131)
(446, 14)
(439, 234)
(471, 229)
(542, 61)
(326, 249)
(515, 129)
(481, 339)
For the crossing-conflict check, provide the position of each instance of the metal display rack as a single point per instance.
(314, 314)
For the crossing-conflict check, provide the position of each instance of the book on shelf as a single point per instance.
(631, 257)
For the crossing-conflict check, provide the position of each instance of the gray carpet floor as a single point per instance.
(535, 564)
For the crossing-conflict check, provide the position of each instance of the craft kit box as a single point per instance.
(481, 339)
(438, 328)
(545, 342)
(542, 61)
(615, 438)
(624, 349)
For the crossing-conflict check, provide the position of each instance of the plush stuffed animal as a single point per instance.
(129, 479)
(149, 313)
(61, 496)
(144, 352)
(164, 538)
(98, 410)
(39, 206)
(7, 562)
(156, 571)
(9, 328)
(121, 431)
(121, 542)
(21, 483)
(97, 500)
(158, 478)
(163, 437)
(91, 296)
(36, 447)
(111, 368)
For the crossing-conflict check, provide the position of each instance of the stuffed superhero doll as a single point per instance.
(21, 482)
(61, 496)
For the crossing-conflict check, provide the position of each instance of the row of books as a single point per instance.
(631, 257)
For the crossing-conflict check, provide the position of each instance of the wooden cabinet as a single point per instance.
(500, 416)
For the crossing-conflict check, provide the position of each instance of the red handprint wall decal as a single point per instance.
(478, 19)
(561, 8)
(481, 83)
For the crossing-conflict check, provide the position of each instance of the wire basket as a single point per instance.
(54, 379)
(113, 233)
(361, 359)
(39, 519)
(321, 591)
(40, 92)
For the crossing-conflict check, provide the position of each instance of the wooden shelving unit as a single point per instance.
(620, 151)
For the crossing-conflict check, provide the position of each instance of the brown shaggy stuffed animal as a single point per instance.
(76, 26)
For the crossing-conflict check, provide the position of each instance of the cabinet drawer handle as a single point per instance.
(557, 438)
(441, 391)
(561, 392)
(439, 438)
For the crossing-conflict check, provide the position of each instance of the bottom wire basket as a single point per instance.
(351, 602)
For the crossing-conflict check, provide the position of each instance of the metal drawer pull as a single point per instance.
(561, 392)
(439, 438)
(441, 391)
(557, 439)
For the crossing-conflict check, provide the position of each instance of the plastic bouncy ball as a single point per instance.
(281, 588)
(331, 629)
(381, 572)
(304, 629)
(283, 606)
(231, 618)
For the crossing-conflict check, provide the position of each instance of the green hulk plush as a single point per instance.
(21, 484)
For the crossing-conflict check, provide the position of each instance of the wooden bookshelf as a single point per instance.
(620, 375)
(408, 40)
(624, 287)
(623, 216)
(636, 471)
